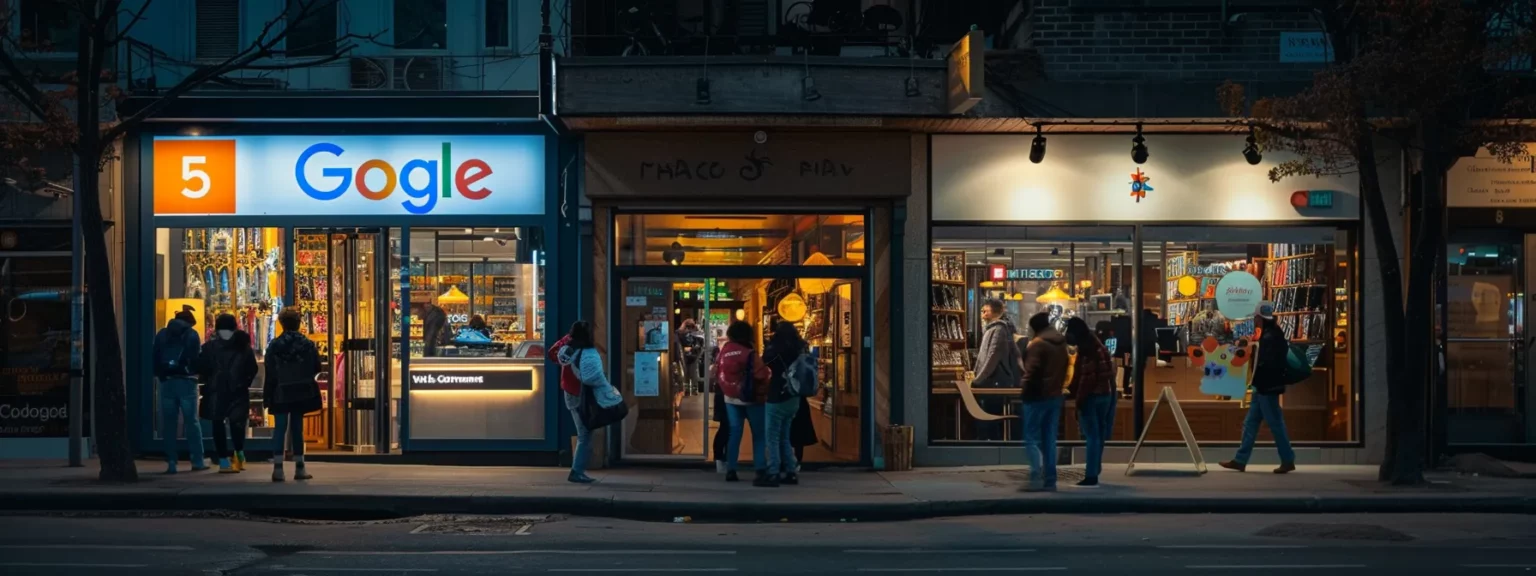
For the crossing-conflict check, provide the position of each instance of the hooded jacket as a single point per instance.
(227, 368)
(587, 365)
(291, 351)
(1045, 366)
(1269, 362)
(997, 360)
(177, 336)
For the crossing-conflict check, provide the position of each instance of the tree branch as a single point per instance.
(21, 87)
(122, 33)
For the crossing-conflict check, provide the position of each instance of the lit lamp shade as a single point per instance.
(816, 285)
(1054, 296)
(792, 308)
(453, 296)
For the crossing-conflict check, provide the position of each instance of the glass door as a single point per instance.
(670, 330)
(1486, 376)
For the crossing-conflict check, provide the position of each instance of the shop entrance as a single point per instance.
(671, 329)
(1487, 322)
(343, 289)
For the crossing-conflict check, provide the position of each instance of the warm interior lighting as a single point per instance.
(816, 285)
(1054, 296)
(792, 308)
(453, 296)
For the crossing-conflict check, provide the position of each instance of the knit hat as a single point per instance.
(225, 322)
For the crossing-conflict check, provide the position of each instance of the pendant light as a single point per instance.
(453, 296)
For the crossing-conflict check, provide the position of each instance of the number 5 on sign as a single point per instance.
(194, 176)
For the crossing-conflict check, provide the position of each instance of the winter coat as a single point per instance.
(802, 432)
(1094, 373)
(733, 364)
(292, 348)
(227, 368)
(1269, 365)
(997, 361)
(587, 364)
(778, 358)
(1045, 366)
(179, 335)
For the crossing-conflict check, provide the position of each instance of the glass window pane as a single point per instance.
(1485, 287)
(311, 28)
(421, 25)
(1066, 272)
(475, 291)
(740, 239)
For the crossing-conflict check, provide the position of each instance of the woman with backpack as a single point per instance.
(291, 391)
(227, 368)
(1092, 387)
(577, 354)
(744, 379)
(780, 355)
(1268, 380)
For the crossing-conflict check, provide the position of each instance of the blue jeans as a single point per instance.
(179, 395)
(1266, 409)
(781, 454)
(1041, 419)
(753, 415)
(288, 425)
(583, 445)
(1096, 418)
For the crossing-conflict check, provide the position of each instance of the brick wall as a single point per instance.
(1079, 42)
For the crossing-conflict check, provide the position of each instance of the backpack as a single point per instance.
(1297, 368)
(171, 359)
(295, 378)
(741, 388)
(800, 377)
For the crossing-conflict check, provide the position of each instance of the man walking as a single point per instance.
(176, 351)
(1045, 373)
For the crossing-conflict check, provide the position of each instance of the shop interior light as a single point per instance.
(1139, 147)
(816, 285)
(911, 86)
(1037, 146)
(1055, 296)
(1251, 149)
(453, 296)
(674, 255)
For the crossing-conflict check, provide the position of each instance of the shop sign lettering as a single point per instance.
(752, 167)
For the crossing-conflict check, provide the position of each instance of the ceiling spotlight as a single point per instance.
(1037, 147)
(674, 255)
(1139, 147)
(808, 91)
(1251, 150)
(701, 92)
(912, 91)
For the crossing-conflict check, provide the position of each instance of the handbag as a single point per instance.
(594, 416)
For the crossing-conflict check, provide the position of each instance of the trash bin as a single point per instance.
(898, 448)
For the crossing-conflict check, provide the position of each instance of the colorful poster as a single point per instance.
(653, 335)
(1238, 295)
(647, 374)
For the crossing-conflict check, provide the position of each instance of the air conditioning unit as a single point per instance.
(398, 73)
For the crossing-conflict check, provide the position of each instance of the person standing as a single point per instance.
(744, 381)
(1045, 372)
(176, 349)
(802, 432)
(689, 347)
(1268, 382)
(780, 355)
(291, 391)
(1093, 389)
(227, 367)
(434, 327)
(577, 353)
(997, 364)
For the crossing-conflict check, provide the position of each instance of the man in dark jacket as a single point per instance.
(175, 355)
(1268, 382)
(434, 328)
(227, 367)
(290, 391)
(1045, 374)
(997, 364)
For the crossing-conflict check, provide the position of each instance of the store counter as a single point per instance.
(476, 398)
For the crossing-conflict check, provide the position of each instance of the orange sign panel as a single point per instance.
(194, 176)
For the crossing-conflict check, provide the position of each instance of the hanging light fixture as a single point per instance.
(791, 308)
(1251, 149)
(1037, 146)
(1055, 296)
(816, 285)
(1139, 147)
(453, 296)
(674, 255)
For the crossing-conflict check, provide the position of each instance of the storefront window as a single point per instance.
(1067, 272)
(1209, 283)
(1487, 396)
(1088, 273)
(214, 271)
(740, 239)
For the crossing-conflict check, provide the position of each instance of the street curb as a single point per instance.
(359, 505)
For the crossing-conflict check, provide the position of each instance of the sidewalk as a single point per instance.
(353, 490)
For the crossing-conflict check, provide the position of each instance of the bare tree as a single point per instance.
(41, 113)
(1414, 74)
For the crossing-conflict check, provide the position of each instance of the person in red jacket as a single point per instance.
(564, 353)
(744, 379)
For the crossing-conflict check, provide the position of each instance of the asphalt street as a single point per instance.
(1118, 544)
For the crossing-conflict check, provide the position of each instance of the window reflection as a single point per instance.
(740, 239)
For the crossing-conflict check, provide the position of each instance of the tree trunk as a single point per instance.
(1391, 291)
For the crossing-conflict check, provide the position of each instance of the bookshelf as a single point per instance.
(1298, 280)
(947, 315)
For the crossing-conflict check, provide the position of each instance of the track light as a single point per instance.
(1037, 146)
(808, 91)
(1251, 150)
(912, 91)
(1139, 147)
(701, 92)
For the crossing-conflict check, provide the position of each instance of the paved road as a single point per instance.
(1118, 544)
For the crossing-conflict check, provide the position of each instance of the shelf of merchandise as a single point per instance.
(952, 262)
(1322, 278)
(1173, 306)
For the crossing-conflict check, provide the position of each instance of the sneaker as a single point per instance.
(277, 473)
(1286, 467)
(199, 468)
(300, 474)
(1234, 465)
(239, 462)
(730, 476)
(790, 479)
(765, 481)
(719, 466)
(1088, 483)
(579, 478)
(225, 467)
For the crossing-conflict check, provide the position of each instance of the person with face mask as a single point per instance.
(227, 367)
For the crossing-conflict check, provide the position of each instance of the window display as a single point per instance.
(1200, 289)
(475, 292)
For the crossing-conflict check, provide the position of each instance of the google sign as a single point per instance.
(349, 175)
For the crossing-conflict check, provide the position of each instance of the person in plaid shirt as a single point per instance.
(1093, 388)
